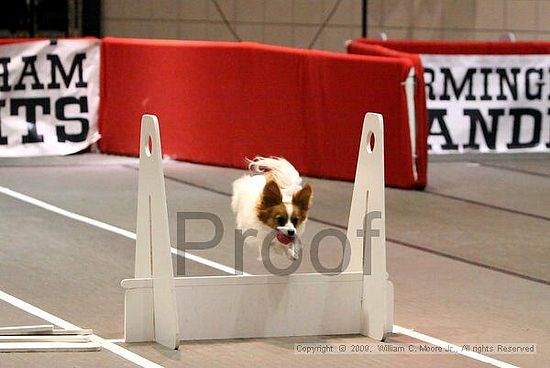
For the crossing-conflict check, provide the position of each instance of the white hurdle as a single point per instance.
(151, 311)
(358, 300)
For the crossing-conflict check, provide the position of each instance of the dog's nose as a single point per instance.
(290, 232)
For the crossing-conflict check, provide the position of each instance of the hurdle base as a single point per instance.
(377, 307)
(138, 311)
(223, 307)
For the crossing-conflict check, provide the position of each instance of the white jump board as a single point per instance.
(45, 338)
(40, 330)
(21, 347)
(26, 330)
(217, 307)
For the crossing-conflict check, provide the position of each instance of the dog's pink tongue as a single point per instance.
(283, 238)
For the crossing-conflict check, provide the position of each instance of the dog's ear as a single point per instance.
(302, 198)
(271, 195)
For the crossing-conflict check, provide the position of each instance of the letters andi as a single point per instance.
(497, 103)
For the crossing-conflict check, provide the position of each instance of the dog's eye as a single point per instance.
(294, 220)
(281, 221)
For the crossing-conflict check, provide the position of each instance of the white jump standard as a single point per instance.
(159, 307)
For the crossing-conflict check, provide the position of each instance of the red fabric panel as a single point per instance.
(221, 102)
(421, 112)
(463, 47)
(6, 41)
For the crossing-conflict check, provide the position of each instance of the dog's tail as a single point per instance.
(282, 171)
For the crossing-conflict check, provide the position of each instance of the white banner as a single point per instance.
(49, 97)
(488, 103)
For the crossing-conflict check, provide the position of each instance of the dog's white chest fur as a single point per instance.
(246, 193)
(271, 199)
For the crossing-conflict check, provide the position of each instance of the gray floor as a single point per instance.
(469, 257)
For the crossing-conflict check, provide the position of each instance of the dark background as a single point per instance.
(50, 18)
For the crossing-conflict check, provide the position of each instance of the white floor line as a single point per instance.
(118, 350)
(111, 228)
(115, 341)
(230, 270)
(446, 345)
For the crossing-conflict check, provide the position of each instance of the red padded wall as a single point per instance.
(5, 41)
(221, 102)
(462, 47)
(421, 112)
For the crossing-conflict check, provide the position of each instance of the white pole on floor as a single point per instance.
(153, 256)
(366, 231)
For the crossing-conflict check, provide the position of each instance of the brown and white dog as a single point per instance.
(271, 198)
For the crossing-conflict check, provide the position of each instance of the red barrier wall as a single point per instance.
(221, 102)
(462, 47)
(421, 113)
(5, 41)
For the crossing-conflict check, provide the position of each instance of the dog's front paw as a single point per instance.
(292, 255)
(293, 251)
